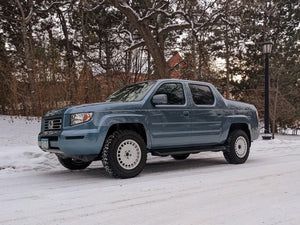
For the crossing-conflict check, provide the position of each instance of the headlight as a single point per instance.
(78, 118)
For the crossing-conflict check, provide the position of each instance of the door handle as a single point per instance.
(186, 113)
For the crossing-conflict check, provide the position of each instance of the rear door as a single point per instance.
(206, 116)
(170, 124)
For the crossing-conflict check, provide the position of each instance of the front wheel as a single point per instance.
(124, 154)
(238, 147)
(73, 164)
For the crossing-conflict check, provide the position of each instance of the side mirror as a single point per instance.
(160, 99)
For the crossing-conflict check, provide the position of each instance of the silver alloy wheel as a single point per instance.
(129, 154)
(241, 146)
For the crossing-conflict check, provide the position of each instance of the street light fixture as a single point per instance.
(267, 48)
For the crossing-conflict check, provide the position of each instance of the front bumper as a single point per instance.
(72, 142)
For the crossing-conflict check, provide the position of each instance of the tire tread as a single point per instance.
(230, 154)
(106, 161)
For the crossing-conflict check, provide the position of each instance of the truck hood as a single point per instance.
(56, 112)
(103, 106)
(239, 105)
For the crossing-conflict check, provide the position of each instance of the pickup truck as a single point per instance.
(161, 117)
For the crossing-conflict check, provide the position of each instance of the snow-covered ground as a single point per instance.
(204, 189)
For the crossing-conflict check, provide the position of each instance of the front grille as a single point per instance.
(53, 124)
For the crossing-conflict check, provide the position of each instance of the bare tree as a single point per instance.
(28, 53)
(155, 20)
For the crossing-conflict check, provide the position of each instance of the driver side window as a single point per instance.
(174, 92)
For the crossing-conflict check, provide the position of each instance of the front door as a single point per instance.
(170, 124)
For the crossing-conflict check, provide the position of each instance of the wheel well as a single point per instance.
(137, 127)
(240, 126)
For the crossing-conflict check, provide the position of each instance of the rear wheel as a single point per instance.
(73, 164)
(180, 156)
(238, 147)
(124, 154)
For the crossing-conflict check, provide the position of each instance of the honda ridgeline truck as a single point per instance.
(161, 117)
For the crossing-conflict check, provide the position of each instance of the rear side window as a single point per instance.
(202, 94)
(174, 92)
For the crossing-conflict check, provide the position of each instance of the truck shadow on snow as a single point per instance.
(182, 165)
(153, 166)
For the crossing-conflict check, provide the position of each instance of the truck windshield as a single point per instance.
(132, 93)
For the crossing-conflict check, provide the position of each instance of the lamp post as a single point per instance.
(267, 48)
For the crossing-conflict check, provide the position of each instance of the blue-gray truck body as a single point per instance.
(163, 127)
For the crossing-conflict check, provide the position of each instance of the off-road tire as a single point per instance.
(238, 147)
(73, 164)
(113, 154)
(180, 156)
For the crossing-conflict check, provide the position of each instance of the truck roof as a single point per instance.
(183, 80)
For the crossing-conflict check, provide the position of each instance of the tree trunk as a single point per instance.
(275, 108)
(128, 68)
(200, 60)
(70, 81)
(227, 53)
(32, 98)
(155, 47)
(108, 65)
(195, 75)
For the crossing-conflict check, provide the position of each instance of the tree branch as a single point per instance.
(153, 12)
(174, 27)
(135, 46)
(28, 18)
(53, 4)
(94, 8)
(126, 6)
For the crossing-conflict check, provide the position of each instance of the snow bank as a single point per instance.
(18, 131)
(18, 146)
